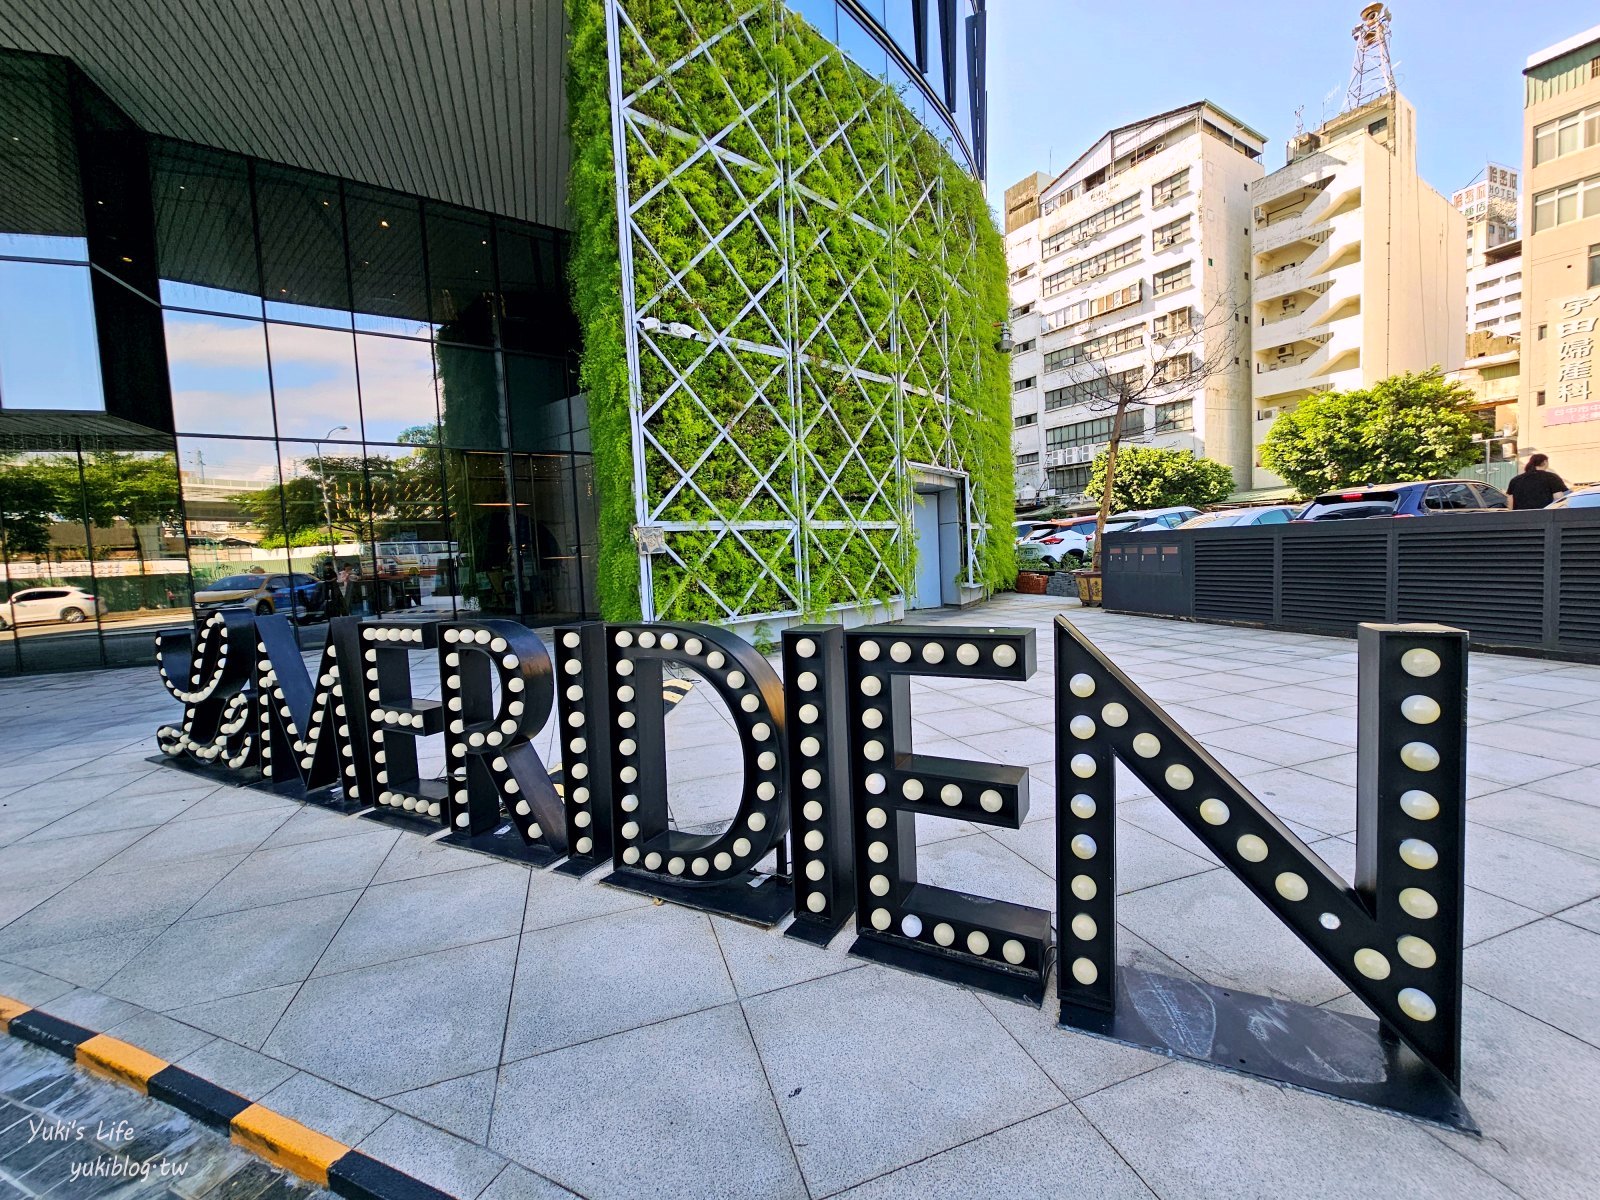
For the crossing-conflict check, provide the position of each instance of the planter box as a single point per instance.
(1030, 583)
(1089, 583)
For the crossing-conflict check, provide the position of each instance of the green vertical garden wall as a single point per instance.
(817, 290)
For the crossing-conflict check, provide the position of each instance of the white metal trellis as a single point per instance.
(807, 358)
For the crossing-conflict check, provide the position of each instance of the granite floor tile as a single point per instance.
(449, 1007)
(1196, 1132)
(1055, 1154)
(688, 1114)
(245, 1019)
(451, 1164)
(562, 970)
(1549, 970)
(330, 1110)
(461, 1106)
(874, 1070)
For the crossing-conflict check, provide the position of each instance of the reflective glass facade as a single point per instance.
(224, 381)
(926, 48)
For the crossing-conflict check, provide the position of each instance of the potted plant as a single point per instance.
(1088, 586)
(1032, 571)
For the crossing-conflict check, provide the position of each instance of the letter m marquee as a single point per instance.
(1394, 938)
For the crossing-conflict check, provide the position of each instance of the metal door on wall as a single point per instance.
(927, 587)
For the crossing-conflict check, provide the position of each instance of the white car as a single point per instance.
(1057, 540)
(40, 606)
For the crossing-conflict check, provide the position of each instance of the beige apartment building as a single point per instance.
(1358, 271)
(1560, 402)
(1136, 255)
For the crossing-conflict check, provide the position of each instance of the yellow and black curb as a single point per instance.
(283, 1142)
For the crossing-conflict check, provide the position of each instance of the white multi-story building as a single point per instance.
(1358, 269)
(1494, 252)
(1136, 253)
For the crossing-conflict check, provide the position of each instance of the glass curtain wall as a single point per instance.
(373, 396)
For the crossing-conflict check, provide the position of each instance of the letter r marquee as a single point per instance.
(1394, 937)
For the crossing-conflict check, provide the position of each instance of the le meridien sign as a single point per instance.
(832, 790)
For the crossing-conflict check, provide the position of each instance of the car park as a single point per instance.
(47, 605)
(1428, 497)
(294, 594)
(1235, 518)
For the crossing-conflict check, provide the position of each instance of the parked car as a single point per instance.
(1425, 498)
(1067, 539)
(41, 606)
(1586, 497)
(1269, 514)
(295, 594)
(1149, 518)
(1026, 529)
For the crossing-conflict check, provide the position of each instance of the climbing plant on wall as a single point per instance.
(816, 291)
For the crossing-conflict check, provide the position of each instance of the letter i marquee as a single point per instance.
(1394, 938)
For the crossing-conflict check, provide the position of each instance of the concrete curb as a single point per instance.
(277, 1139)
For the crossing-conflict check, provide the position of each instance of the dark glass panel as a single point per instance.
(410, 529)
(327, 509)
(534, 312)
(388, 284)
(205, 231)
(483, 573)
(303, 269)
(588, 507)
(470, 410)
(49, 354)
(41, 207)
(460, 275)
(547, 536)
(50, 606)
(314, 382)
(536, 390)
(397, 388)
(131, 500)
(233, 516)
(218, 368)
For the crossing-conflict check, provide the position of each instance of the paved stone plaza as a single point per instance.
(505, 1032)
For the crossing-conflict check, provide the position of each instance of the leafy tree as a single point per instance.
(1406, 427)
(29, 499)
(1153, 477)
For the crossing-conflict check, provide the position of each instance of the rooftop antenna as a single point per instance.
(1299, 120)
(1372, 75)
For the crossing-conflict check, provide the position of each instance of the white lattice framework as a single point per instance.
(778, 410)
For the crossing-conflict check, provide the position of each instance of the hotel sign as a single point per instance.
(832, 791)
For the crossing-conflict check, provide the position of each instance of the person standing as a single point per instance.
(1536, 487)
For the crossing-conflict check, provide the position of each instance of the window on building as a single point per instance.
(1513, 277)
(1565, 204)
(1165, 191)
(1178, 367)
(1538, 398)
(1022, 385)
(1567, 135)
(1594, 266)
(1094, 431)
(1085, 310)
(1092, 268)
(1172, 280)
(1025, 420)
(1104, 387)
(1172, 324)
(1028, 460)
(1022, 272)
(1021, 347)
(1177, 417)
(1022, 309)
(1072, 481)
(1171, 233)
(1119, 213)
(1117, 341)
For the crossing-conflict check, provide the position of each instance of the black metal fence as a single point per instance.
(1528, 580)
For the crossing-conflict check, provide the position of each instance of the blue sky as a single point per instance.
(1062, 72)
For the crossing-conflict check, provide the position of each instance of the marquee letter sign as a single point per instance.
(1395, 938)
(832, 789)
(985, 943)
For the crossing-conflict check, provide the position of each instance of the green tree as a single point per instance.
(29, 500)
(1406, 427)
(1153, 477)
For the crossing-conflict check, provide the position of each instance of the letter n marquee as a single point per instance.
(1394, 937)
